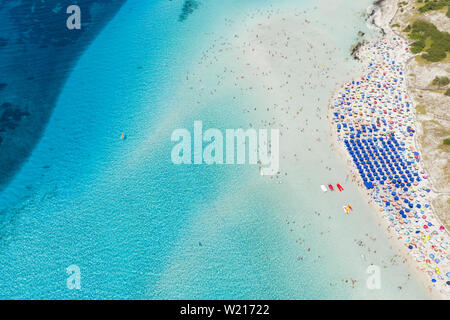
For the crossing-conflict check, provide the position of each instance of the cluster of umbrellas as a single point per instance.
(381, 161)
(374, 120)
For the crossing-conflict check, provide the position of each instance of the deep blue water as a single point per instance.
(37, 53)
(139, 226)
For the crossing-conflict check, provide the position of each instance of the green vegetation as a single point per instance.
(417, 46)
(421, 109)
(447, 142)
(434, 55)
(433, 5)
(426, 32)
(395, 25)
(440, 82)
(447, 93)
(401, 4)
(448, 12)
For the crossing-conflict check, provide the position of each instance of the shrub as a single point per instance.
(444, 81)
(434, 5)
(440, 41)
(440, 81)
(434, 54)
(417, 46)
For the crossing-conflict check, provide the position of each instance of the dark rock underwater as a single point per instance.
(37, 53)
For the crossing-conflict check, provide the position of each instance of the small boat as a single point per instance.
(324, 189)
(331, 187)
(340, 187)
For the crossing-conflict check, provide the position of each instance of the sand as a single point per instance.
(381, 18)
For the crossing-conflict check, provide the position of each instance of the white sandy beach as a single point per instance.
(269, 61)
(169, 231)
(281, 66)
(438, 290)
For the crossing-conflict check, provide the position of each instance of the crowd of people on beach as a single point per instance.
(372, 115)
(374, 121)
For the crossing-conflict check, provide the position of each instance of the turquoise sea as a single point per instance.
(140, 227)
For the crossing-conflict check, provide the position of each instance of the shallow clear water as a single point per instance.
(140, 227)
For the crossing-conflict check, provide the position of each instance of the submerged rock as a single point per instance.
(40, 46)
(354, 51)
(188, 8)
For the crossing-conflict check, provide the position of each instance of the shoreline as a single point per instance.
(382, 12)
